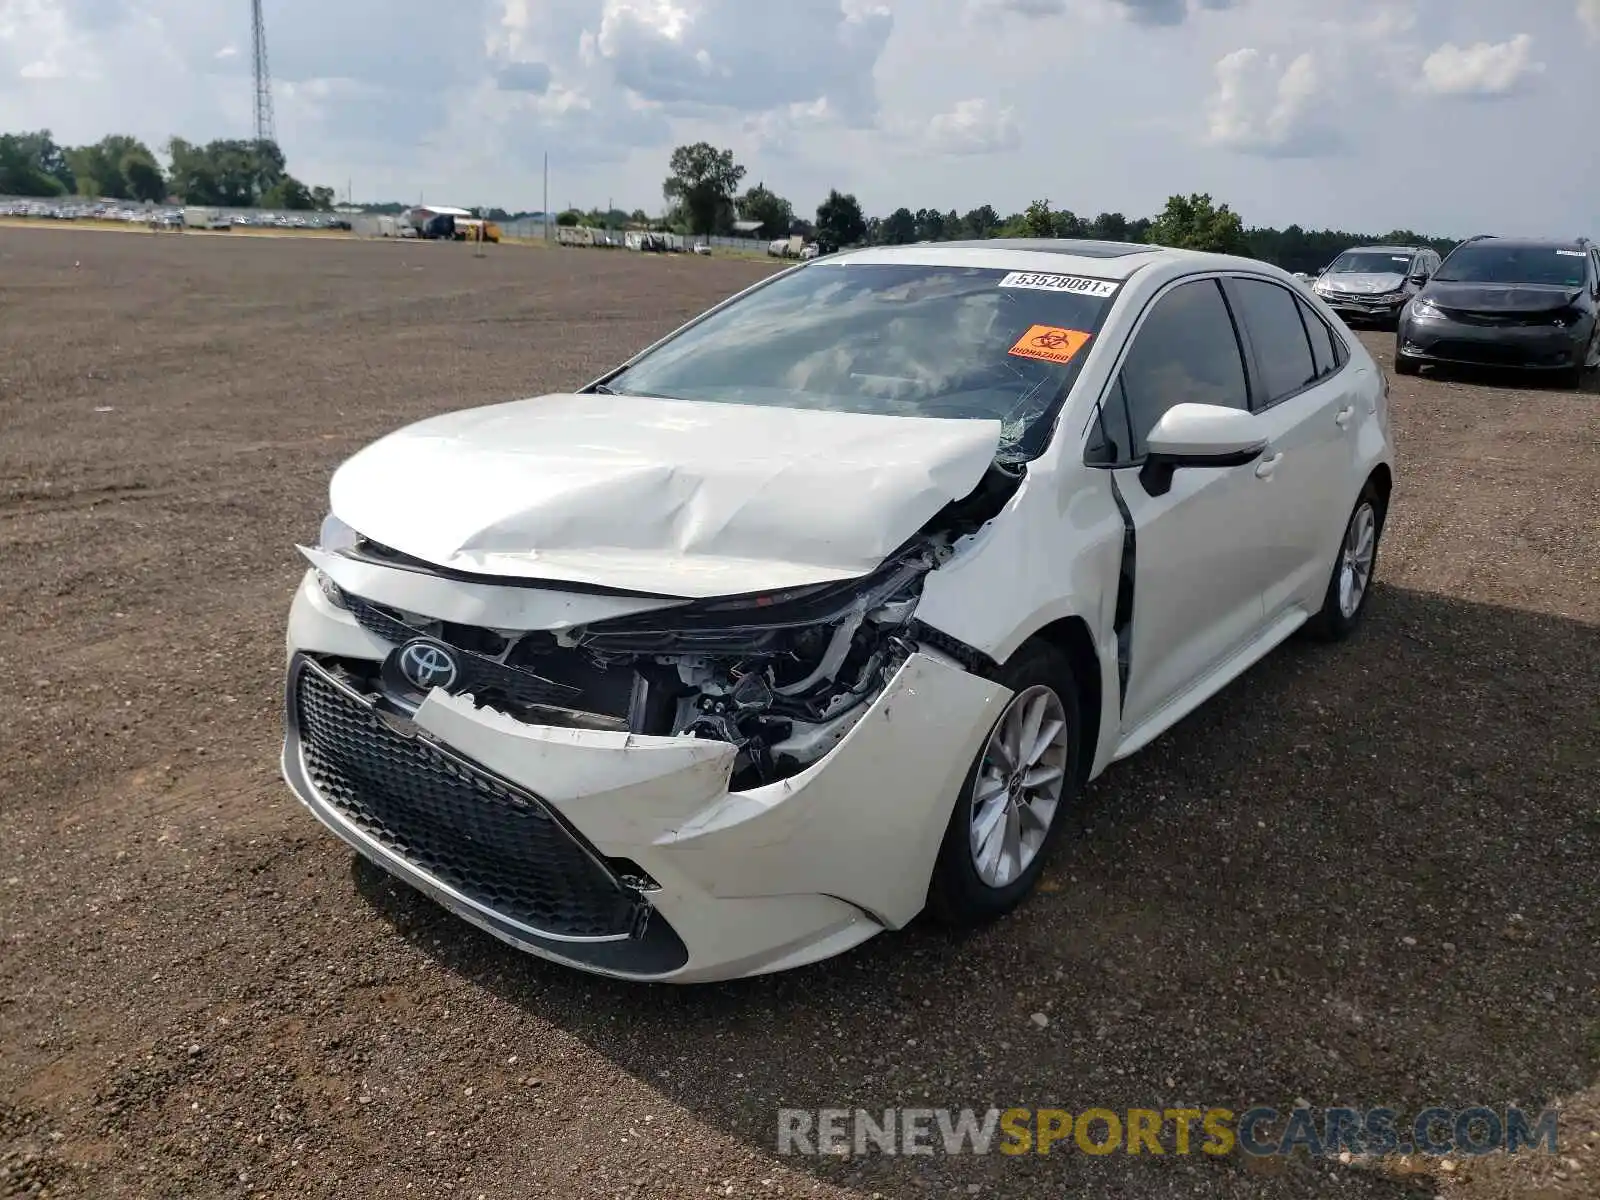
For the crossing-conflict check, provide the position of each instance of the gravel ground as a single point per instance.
(1362, 875)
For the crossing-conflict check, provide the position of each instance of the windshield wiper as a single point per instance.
(601, 389)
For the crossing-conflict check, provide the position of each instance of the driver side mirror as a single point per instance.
(1198, 435)
(1420, 278)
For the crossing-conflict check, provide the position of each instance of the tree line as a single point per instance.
(229, 173)
(702, 186)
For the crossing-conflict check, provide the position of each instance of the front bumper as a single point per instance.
(1364, 308)
(623, 854)
(1526, 347)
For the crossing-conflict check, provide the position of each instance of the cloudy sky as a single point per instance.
(1451, 116)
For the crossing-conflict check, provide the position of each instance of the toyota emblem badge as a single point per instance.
(428, 665)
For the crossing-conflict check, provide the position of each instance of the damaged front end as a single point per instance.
(782, 676)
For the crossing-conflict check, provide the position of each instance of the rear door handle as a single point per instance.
(1342, 417)
(1267, 466)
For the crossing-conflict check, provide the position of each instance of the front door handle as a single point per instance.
(1342, 417)
(1267, 466)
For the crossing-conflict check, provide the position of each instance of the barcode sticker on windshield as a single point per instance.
(1572, 253)
(1076, 284)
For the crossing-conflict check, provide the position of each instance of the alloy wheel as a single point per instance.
(1018, 787)
(1355, 559)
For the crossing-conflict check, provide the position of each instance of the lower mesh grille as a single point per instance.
(467, 828)
(1489, 353)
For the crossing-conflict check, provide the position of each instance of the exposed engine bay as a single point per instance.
(783, 676)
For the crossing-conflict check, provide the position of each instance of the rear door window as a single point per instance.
(1326, 346)
(1271, 315)
(1321, 347)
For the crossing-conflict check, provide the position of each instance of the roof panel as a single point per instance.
(1015, 254)
(1076, 247)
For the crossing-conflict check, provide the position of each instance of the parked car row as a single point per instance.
(1526, 303)
(166, 215)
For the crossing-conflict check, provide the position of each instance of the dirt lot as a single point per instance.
(1365, 875)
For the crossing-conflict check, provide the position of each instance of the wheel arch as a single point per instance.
(1381, 481)
(1070, 637)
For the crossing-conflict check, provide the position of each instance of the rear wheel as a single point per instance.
(1351, 581)
(1013, 802)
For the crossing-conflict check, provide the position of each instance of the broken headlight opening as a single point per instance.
(335, 536)
(782, 676)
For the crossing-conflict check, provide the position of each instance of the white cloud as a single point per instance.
(699, 54)
(1021, 8)
(974, 126)
(1483, 69)
(1372, 52)
(1139, 12)
(523, 77)
(1388, 21)
(1589, 14)
(397, 99)
(1166, 12)
(778, 131)
(1262, 107)
(37, 41)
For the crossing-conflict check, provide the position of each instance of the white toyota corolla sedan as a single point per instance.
(822, 610)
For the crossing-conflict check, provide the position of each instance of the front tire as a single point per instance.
(1404, 365)
(1015, 797)
(1350, 585)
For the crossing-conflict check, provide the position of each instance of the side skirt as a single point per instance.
(1203, 689)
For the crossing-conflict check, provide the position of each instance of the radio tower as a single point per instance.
(263, 76)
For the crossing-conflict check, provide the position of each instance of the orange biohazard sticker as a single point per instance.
(1050, 344)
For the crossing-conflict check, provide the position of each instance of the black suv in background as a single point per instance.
(1507, 302)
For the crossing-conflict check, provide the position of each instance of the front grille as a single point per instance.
(1492, 354)
(1364, 299)
(377, 621)
(489, 680)
(1494, 320)
(469, 829)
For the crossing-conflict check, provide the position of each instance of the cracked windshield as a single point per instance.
(914, 341)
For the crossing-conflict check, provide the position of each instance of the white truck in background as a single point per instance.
(789, 247)
(205, 218)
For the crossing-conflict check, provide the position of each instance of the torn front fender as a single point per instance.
(862, 824)
(865, 822)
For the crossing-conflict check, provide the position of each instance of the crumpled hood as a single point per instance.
(1363, 283)
(670, 497)
(1502, 298)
